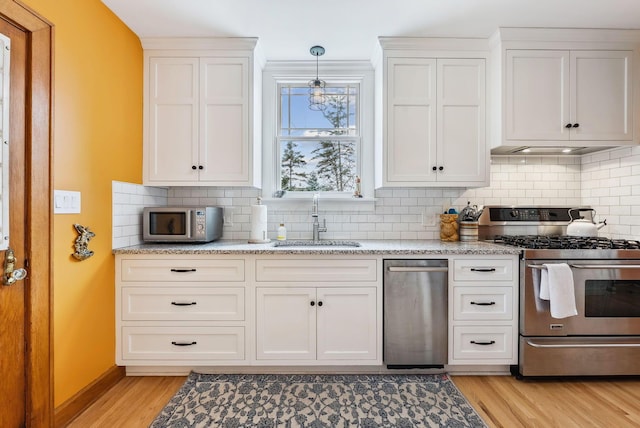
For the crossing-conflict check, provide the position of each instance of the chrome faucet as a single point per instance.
(316, 225)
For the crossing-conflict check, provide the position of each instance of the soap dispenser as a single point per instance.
(282, 233)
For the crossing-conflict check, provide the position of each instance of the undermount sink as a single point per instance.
(320, 243)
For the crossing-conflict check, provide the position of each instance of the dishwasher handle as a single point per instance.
(418, 269)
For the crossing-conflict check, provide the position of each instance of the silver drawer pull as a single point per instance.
(483, 303)
(491, 342)
(473, 269)
(184, 303)
(417, 269)
(183, 343)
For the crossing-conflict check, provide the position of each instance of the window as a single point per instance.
(318, 150)
(307, 151)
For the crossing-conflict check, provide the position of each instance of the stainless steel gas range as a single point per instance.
(603, 339)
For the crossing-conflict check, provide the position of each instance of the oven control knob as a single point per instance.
(514, 213)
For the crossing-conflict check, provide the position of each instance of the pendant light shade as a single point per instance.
(317, 97)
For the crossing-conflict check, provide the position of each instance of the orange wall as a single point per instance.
(97, 139)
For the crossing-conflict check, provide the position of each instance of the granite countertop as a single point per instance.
(383, 247)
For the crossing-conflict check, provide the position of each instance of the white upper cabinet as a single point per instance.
(433, 115)
(202, 112)
(557, 88)
(568, 95)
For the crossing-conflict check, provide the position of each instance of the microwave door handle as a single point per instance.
(189, 220)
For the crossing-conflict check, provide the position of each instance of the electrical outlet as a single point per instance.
(227, 216)
(429, 217)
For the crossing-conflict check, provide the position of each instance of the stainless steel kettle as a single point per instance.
(581, 226)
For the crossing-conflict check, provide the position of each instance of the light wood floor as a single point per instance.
(502, 401)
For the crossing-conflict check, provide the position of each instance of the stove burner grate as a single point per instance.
(565, 242)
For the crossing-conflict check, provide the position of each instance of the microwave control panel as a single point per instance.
(201, 219)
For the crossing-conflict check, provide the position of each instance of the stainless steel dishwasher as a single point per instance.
(415, 313)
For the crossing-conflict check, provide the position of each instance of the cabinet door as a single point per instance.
(285, 324)
(537, 95)
(461, 142)
(224, 120)
(410, 151)
(601, 95)
(172, 143)
(347, 323)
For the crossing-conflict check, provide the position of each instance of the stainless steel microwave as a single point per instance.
(181, 224)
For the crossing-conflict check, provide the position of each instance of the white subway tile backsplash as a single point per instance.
(608, 181)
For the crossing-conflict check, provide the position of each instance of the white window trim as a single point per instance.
(354, 71)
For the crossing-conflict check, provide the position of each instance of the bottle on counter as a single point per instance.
(282, 233)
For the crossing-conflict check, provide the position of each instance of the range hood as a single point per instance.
(535, 150)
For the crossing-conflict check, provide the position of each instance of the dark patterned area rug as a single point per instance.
(318, 401)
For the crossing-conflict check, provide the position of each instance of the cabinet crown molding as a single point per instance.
(564, 35)
(434, 43)
(199, 43)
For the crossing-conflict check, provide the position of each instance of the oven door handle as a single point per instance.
(583, 345)
(604, 266)
(541, 267)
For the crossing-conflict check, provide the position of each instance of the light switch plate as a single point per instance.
(66, 202)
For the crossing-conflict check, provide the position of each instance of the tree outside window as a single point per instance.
(318, 149)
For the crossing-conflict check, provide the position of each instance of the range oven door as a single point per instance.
(607, 299)
(603, 339)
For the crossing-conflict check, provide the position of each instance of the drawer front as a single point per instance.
(482, 303)
(183, 343)
(184, 304)
(483, 343)
(179, 270)
(483, 270)
(316, 270)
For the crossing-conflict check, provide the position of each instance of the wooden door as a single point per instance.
(12, 298)
(537, 95)
(601, 95)
(25, 311)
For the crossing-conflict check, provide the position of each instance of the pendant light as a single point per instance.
(317, 97)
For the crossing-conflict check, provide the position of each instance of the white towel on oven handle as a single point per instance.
(537, 283)
(556, 285)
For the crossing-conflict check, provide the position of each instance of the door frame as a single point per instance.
(39, 131)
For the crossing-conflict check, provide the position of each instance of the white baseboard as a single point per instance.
(185, 370)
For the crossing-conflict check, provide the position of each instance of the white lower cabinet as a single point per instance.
(182, 343)
(483, 315)
(320, 311)
(307, 323)
(246, 310)
(180, 310)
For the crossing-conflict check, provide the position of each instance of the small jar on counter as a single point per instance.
(282, 233)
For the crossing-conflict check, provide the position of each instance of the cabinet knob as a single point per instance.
(568, 125)
(575, 125)
(320, 303)
(435, 168)
(312, 303)
(194, 167)
(441, 168)
(200, 167)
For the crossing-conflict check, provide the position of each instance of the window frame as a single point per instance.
(279, 138)
(276, 73)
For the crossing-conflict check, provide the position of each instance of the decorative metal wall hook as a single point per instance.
(82, 242)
